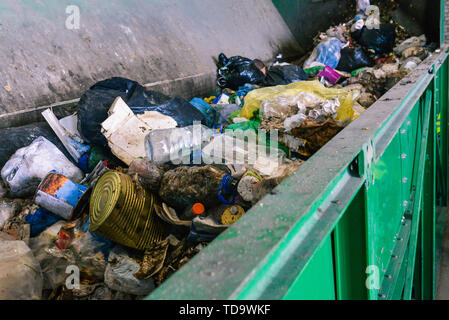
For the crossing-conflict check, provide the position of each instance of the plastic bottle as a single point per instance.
(177, 144)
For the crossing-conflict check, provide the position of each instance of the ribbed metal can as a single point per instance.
(124, 212)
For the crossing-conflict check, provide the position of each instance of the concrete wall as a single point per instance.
(169, 44)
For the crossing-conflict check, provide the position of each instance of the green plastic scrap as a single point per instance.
(313, 71)
(235, 114)
(356, 72)
(244, 126)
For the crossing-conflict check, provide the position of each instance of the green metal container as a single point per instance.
(362, 219)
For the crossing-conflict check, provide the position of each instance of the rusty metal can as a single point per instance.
(59, 195)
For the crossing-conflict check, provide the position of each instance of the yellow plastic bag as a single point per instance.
(255, 98)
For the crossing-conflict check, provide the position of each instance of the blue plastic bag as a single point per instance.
(40, 221)
(208, 112)
(327, 53)
(244, 90)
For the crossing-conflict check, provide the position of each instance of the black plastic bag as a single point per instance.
(381, 41)
(283, 75)
(179, 109)
(19, 137)
(353, 59)
(237, 71)
(94, 105)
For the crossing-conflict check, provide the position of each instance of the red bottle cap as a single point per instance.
(198, 209)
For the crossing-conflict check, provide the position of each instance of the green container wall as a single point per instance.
(362, 219)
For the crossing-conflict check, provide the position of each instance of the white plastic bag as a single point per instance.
(120, 274)
(28, 166)
(20, 272)
(362, 5)
(296, 109)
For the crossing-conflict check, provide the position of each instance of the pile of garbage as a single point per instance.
(119, 196)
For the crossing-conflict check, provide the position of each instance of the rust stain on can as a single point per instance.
(52, 183)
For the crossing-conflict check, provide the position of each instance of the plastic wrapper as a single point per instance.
(29, 165)
(85, 250)
(327, 53)
(330, 74)
(255, 98)
(120, 274)
(20, 272)
(153, 260)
